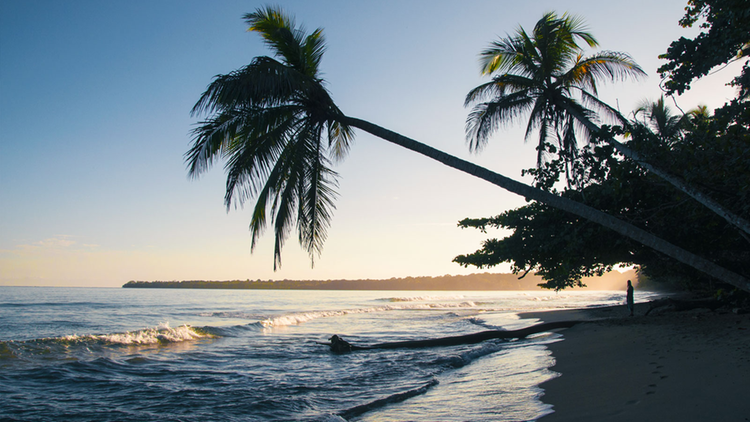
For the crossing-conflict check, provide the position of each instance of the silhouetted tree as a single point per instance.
(278, 129)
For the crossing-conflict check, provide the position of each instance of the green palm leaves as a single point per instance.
(543, 75)
(275, 124)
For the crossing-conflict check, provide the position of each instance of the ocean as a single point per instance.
(102, 354)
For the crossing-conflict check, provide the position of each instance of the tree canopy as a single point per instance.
(725, 37)
(711, 151)
(563, 248)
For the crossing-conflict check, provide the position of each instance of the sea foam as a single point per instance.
(157, 335)
(302, 317)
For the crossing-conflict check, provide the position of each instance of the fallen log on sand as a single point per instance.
(339, 345)
(684, 305)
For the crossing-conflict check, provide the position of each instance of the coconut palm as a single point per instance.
(544, 75)
(275, 123)
(276, 126)
(541, 77)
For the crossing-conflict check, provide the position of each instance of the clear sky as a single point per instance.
(94, 121)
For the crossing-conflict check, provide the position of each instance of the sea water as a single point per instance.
(79, 354)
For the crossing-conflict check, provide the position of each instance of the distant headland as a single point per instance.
(614, 280)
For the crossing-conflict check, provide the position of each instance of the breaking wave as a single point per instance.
(161, 335)
(157, 335)
(420, 298)
(302, 317)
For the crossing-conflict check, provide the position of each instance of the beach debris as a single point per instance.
(339, 345)
(684, 305)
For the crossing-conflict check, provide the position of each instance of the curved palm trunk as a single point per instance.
(677, 182)
(581, 210)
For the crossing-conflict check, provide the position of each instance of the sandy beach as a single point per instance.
(667, 366)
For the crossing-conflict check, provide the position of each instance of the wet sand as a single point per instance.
(686, 366)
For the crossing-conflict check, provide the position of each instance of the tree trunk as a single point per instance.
(573, 207)
(454, 340)
(685, 305)
(675, 181)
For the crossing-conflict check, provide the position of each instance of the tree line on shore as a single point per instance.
(470, 282)
(667, 193)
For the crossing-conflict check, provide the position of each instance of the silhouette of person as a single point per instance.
(630, 298)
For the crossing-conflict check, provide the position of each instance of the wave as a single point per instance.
(419, 298)
(393, 398)
(161, 335)
(302, 317)
(54, 305)
(157, 335)
(231, 315)
(482, 323)
(465, 358)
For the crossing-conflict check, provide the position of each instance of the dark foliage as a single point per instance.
(725, 38)
(563, 248)
(709, 152)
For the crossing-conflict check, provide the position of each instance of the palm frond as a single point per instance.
(486, 117)
(340, 138)
(264, 82)
(591, 101)
(510, 55)
(289, 42)
(251, 156)
(609, 65)
(499, 86)
(208, 140)
(314, 48)
(576, 27)
(317, 203)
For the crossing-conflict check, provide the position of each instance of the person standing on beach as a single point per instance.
(630, 298)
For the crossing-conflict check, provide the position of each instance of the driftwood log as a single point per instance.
(684, 305)
(339, 345)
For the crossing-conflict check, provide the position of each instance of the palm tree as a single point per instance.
(546, 76)
(276, 126)
(658, 117)
(543, 75)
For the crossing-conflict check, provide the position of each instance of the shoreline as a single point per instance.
(686, 366)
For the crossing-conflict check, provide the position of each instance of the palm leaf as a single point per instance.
(485, 118)
(608, 65)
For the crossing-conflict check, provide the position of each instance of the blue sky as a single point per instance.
(95, 102)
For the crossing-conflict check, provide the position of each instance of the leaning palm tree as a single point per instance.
(544, 75)
(276, 126)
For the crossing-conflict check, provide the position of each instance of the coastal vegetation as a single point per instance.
(276, 126)
(700, 148)
(472, 282)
